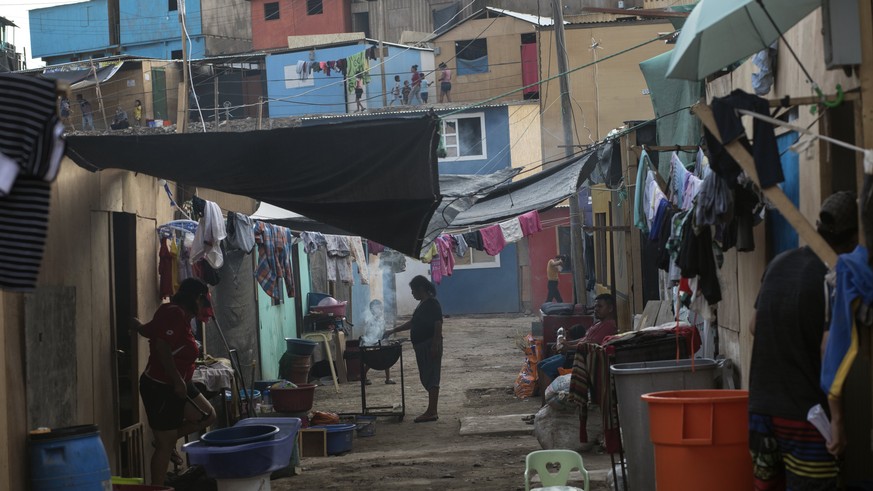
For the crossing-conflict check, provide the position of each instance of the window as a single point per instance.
(172, 5)
(271, 11)
(314, 7)
(471, 56)
(464, 137)
(476, 260)
(176, 54)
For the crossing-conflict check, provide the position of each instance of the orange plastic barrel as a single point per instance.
(701, 439)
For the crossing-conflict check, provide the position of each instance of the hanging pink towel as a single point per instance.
(530, 223)
(492, 239)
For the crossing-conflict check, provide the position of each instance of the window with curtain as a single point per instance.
(471, 56)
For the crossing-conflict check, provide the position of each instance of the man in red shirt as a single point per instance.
(604, 312)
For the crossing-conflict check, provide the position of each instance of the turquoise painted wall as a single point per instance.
(277, 322)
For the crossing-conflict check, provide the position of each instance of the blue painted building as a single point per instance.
(292, 93)
(152, 29)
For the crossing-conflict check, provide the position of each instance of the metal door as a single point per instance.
(159, 93)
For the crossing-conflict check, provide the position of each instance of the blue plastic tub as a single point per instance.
(247, 460)
(339, 437)
(284, 424)
(238, 435)
(301, 347)
(71, 458)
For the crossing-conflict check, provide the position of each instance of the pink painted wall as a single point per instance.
(543, 246)
(294, 21)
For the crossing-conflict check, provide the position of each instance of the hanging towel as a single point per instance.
(429, 253)
(639, 193)
(374, 247)
(492, 240)
(530, 223)
(357, 64)
(361, 259)
(511, 230)
(474, 240)
(274, 268)
(461, 246)
(339, 258)
(210, 232)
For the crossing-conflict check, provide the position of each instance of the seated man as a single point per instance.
(604, 312)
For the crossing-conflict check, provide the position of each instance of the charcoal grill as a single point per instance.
(382, 357)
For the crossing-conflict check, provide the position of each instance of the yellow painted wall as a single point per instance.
(525, 137)
(604, 95)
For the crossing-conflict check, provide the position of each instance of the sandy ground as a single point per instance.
(480, 364)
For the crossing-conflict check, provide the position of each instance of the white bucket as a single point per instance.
(256, 483)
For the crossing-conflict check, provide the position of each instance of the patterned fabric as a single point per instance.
(789, 454)
(357, 246)
(24, 217)
(274, 260)
(591, 373)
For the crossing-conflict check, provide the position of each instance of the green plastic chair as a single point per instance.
(567, 460)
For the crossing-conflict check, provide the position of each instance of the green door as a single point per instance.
(159, 93)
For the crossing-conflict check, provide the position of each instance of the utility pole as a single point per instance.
(382, 23)
(215, 100)
(576, 257)
(182, 125)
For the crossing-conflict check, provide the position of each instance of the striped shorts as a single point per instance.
(789, 454)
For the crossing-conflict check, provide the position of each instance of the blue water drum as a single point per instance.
(71, 458)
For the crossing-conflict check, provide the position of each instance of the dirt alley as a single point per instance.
(480, 363)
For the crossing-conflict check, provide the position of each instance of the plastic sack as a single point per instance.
(558, 394)
(526, 382)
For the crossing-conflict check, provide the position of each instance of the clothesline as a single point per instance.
(868, 154)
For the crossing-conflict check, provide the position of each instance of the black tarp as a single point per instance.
(537, 192)
(374, 178)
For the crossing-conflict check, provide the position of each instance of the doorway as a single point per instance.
(159, 93)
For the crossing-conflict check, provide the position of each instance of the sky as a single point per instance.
(16, 11)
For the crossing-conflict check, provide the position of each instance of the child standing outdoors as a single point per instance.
(424, 85)
(395, 92)
(406, 90)
(374, 331)
(137, 112)
(359, 91)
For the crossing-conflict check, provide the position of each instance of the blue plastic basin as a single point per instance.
(238, 435)
(246, 460)
(339, 437)
(301, 347)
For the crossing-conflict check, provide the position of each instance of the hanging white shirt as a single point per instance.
(207, 240)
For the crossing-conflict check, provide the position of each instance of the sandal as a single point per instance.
(390, 382)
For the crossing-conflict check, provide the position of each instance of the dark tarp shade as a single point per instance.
(374, 178)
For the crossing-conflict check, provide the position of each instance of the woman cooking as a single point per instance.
(426, 334)
(174, 406)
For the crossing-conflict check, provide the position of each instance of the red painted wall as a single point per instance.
(543, 246)
(293, 21)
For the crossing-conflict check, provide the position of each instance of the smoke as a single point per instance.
(389, 291)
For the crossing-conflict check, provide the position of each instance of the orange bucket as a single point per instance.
(701, 439)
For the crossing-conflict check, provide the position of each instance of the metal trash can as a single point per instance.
(632, 380)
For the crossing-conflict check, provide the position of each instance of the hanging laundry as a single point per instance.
(461, 246)
(210, 233)
(492, 240)
(331, 65)
(677, 180)
(374, 247)
(371, 53)
(474, 240)
(30, 140)
(312, 241)
(342, 66)
(765, 150)
(642, 182)
(357, 64)
(447, 259)
(240, 233)
(165, 270)
(339, 259)
(714, 200)
(530, 223)
(274, 268)
(511, 230)
(302, 73)
(174, 263)
(360, 258)
(185, 257)
(429, 253)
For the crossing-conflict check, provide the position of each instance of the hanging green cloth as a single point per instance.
(357, 64)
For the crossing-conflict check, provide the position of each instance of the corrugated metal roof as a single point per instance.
(379, 112)
(533, 19)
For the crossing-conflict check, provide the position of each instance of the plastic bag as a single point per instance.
(558, 394)
(526, 382)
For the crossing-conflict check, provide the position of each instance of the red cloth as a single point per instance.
(172, 324)
(165, 270)
(492, 240)
(374, 247)
(416, 79)
(599, 331)
(530, 223)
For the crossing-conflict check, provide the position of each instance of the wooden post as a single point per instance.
(182, 124)
(99, 97)
(774, 193)
(632, 236)
(215, 102)
(260, 110)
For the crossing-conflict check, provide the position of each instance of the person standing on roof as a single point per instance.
(416, 86)
(445, 83)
